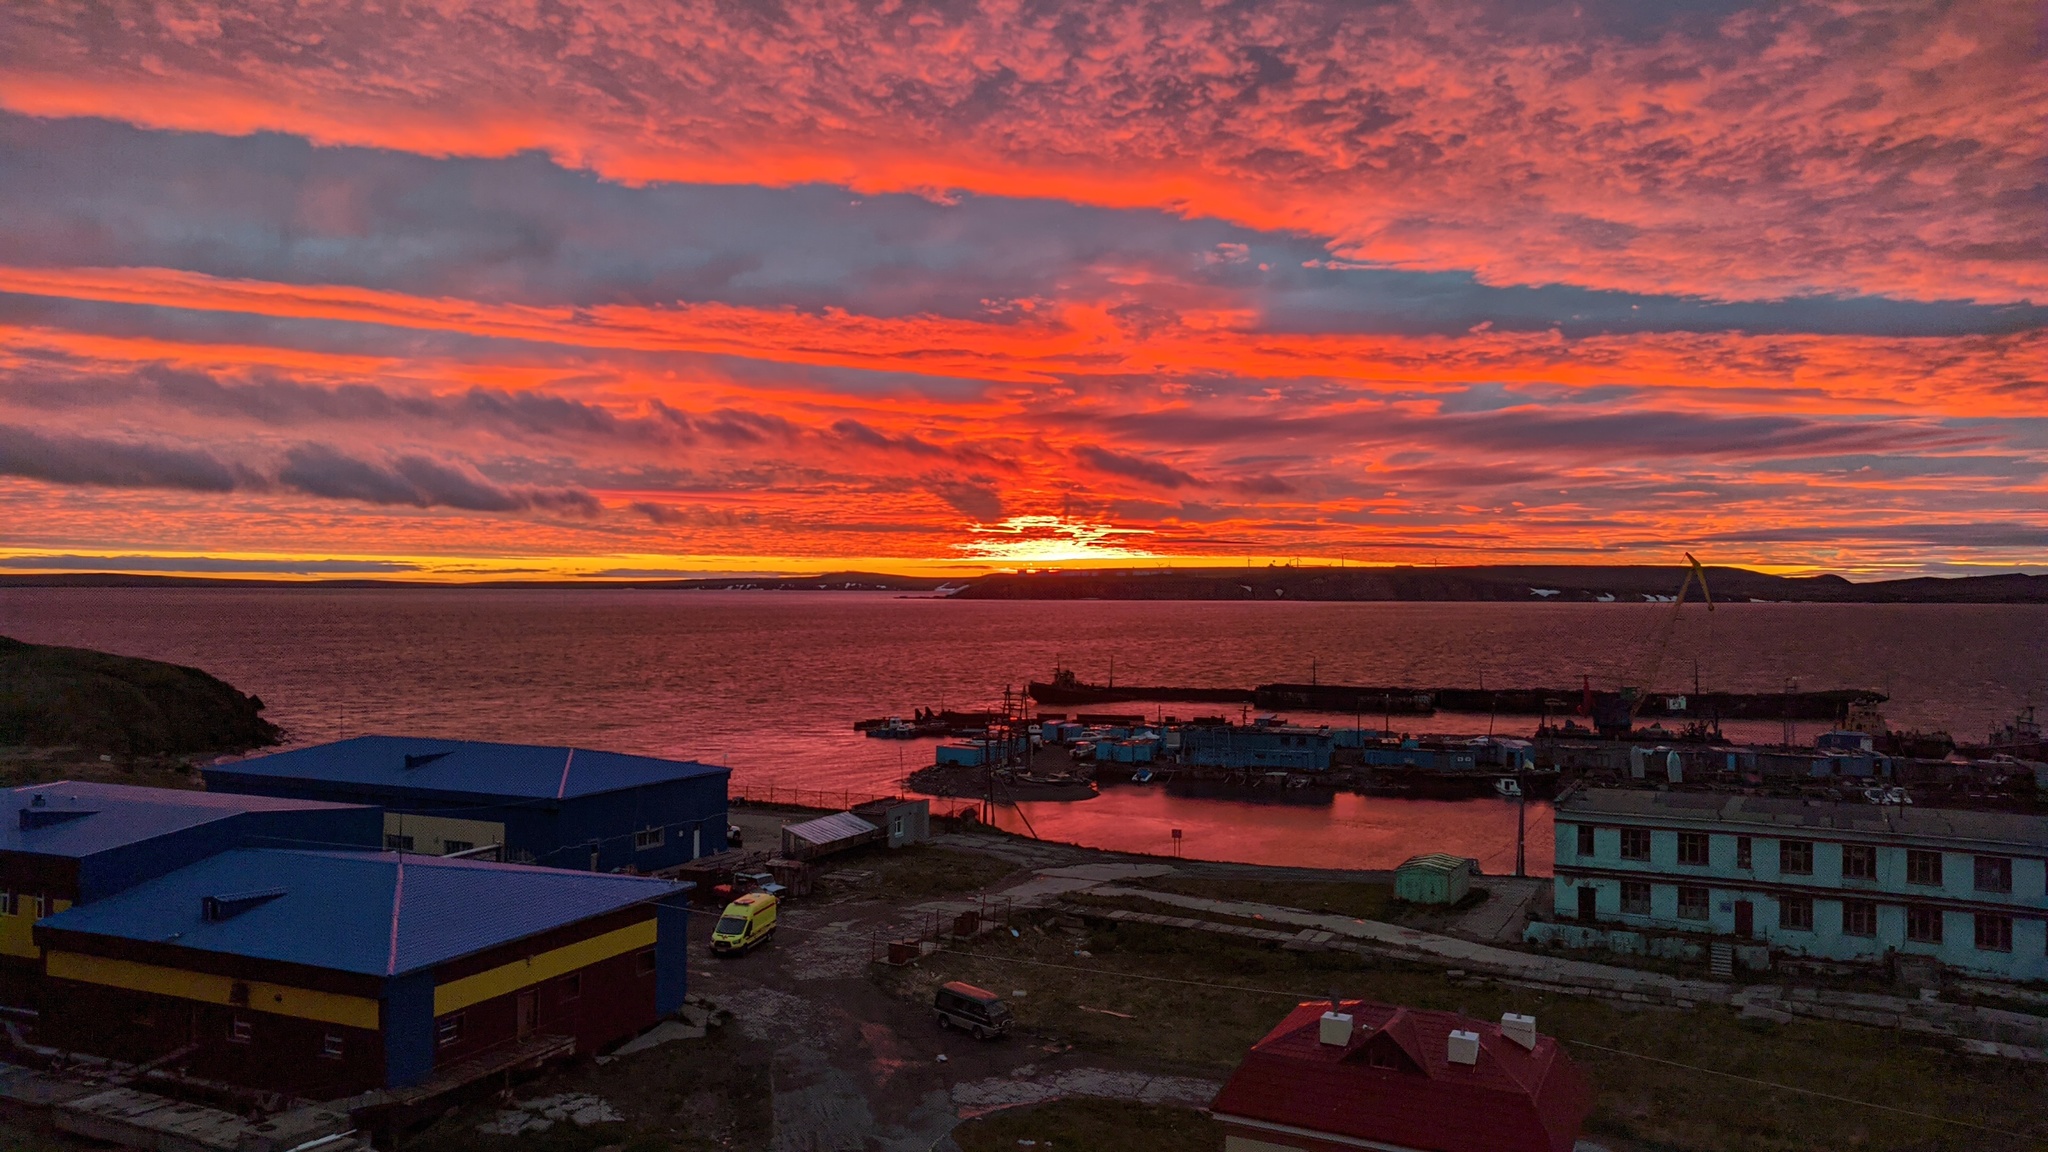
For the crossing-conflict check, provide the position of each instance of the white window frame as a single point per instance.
(641, 843)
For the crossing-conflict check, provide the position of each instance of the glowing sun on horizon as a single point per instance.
(1050, 539)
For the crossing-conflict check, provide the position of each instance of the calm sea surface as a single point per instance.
(771, 682)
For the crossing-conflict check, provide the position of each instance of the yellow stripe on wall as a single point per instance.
(459, 994)
(277, 999)
(17, 932)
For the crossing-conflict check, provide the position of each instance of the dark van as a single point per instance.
(977, 1010)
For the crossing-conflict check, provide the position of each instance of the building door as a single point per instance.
(1745, 919)
(529, 1012)
(1589, 907)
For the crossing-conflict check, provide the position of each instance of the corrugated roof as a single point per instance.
(1797, 813)
(830, 829)
(1435, 862)
(377, 913)
(1394, 1083)
(463, 767)
(78, 818)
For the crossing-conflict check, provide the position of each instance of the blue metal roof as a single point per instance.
(79, 819)
(465, 767)
(376, 913)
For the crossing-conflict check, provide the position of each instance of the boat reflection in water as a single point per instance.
(1344, 830)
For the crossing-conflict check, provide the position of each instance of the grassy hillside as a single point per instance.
(74, 697)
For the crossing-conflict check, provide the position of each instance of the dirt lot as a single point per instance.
(1191, 1003)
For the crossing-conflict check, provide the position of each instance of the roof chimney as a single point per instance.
(1464, 1048)
(1519, 1028)
(1336, 1028)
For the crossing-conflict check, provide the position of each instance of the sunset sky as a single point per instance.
(577, 288)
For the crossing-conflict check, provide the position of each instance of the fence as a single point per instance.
(963, 921)
(825, 800)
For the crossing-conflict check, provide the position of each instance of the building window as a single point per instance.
(397, 843)
(8, 905)
(332, 1047)
(572, 986)
(448, 1030)
(643, 963)
(1994, 933)
(647, 838)
(1859, 918)
(451, 847)
(1859, 862)
(1635, 843)
(1742, 853)
(1923, 924)
(1795, 914)
(240, 1031)
(1585, 840)
(1923, 868)
(1635, 898)
(1994, 874)
(1692, 902)
(41, 906)
(1795, 857)
(1692, 848)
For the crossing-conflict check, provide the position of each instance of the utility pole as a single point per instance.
(1521, 822)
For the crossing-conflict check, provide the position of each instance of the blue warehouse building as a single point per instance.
(74, 842)
(328, 973)
(560, 807)
(1832, 880)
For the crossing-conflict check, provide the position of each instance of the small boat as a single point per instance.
(1887, 796)
(1508, 788)
(893, 728)
(1142, 776)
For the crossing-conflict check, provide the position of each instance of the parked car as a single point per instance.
(745, 924)
(977, 1010)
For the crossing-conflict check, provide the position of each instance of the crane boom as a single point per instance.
(1693, 573)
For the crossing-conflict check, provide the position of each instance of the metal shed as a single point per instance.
(1433, 878)
(827, 835)
(903, 821)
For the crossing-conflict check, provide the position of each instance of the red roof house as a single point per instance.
(1380, 1076)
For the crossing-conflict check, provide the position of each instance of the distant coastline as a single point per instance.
(1562, 583)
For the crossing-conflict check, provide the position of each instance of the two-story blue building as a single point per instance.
(534, 804)
(1824, 879)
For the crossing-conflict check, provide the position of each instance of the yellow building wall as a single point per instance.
(279, 999)
(17, 936)
(430, 834)
(508, 978)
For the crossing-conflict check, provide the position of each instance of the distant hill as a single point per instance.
(75, 697)
(1515, 582)
(1522, 583)
(826, 581)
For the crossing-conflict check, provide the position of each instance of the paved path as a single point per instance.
(1453, 951)
(1501, 917)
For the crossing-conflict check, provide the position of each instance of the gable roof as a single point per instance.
(397, 764)
(76, 818)
(1513, 1100)
(374, 913)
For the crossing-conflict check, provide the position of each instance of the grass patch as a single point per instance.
(922, 871)
(1089, 1126)
(1204, 1025)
